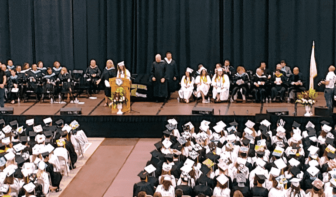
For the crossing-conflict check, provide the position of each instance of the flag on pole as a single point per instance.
(313, 69)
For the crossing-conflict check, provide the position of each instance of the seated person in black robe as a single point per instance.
(259, 190)
(66, 83)
(55, 177)
(10, 65)
(240, 83)
(57, 68)
(143, 185)
(22, 81)
(92, 76)
(109, 72)
(279, 82)
(259, 84)
(49, 84)
(13, 87)
(296, 83)
(187, 190)
(228, 69)
(158, 77)
(35, 81)
(41, 68)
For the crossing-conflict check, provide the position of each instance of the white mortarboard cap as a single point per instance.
(265, 122)
(205, 122)
(30, 122)
(74, 124)
(217, 128)
(241, 161)
(312, 170)
(313, 163)
(191, 126)
(167, 178)
(231, 137)
(6, 140)
(314, 139)
(4, 188)
(310, 124)
(166, 143)
(19, 147)
(66, 128)
(295, 182)
(281, 129)
(293, 162)
(189, 162)
(260, 162)
(280, 163)
(29, 187)
(221, 123)
(40, 138)
(186, 168)
(275, 172)
(248, 130)
(49, 148)
(189, 70)
(10, 156)
(172, 121)
(297, 137)
(41, 165)
(7, 129)
(38, 129)
(222, 179)
(150, 168)
(121, 63)
(326, 128)
(47, 120)
(249, 124)
(313, 149)
(222, 166)
(204, 127)
(19, 129)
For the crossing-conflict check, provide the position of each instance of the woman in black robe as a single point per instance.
(158, 76)
(66, 83)
(171, 73)
(13, 86)
(109, 72)
(34, 81)
(55, 177)
(49, 83)
(93, 75)
(41, 68)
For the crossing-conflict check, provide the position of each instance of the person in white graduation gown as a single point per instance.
(122, 72)
(203, 82)
(187, 86)
(277, 190)
(221, 86)
(221, 188)
(166, 189)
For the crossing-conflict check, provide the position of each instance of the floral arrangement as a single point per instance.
(118, 97)
(307, 97)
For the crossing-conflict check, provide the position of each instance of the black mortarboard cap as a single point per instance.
(169, 156)
(260, 153)
(2, 122)
(262, 128)
(296, 124)
(2, 146)
(32, 135)
(19, 159)
(329, 141)
(13, 123)
(45, 154)
(143, 174)
(234, 123)
(170, 127)
(261, 177)
(48, 134)
(212, 157)
(158, 145)
(331, 155)
(324, 122)
(296, 146)
(59, 122)
(204, 169)
(311, 131)
(295, 170)
(246, 141)
(166, 132)
(63, 133)
(18, 174)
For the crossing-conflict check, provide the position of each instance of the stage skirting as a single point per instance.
(152, 126)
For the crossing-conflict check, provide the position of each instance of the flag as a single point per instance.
(313, 69)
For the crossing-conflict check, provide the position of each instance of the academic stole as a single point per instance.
(187, 80)
(204, 79)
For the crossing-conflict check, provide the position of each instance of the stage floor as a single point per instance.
(172, 107)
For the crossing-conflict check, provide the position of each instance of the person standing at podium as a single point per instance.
(122, 72)
(109, 72)
(158, 77)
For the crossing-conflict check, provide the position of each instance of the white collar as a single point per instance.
(109, 68)
(168, 61)
(57, 69)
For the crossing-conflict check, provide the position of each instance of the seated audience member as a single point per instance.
(183, 184)
(66, 83)
(198, 71)
(228, 69)
(142, 194)
(286, 69)
(34, 81)
(49, 84)
(13, 87)
(166, 188)
(238, 193)
(5, 69)
(259, 190)
(221, 86)
(22, 81)
(157, 194)
(143, 185)
(41, 68)
(259, 83)
(10, 65)
(218, 65)
(55, 176)
(57, 68)
(279, 82)
(296, 82)
(178, 193)
(222, 188)
(240, 84)
(93, 75)
(109, 72)
(268, 74)
(202, 82)
(187, 86)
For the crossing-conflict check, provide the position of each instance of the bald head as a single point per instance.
(259, 71)
(278, 66)
(331, 68)
(296, 70)
(157, 57)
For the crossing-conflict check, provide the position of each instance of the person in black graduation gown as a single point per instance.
(259, 84)
(56, 177)
(93, 75)
(13, 85)
(35, 81)
(259, 190)
(41, 68)
(158, 77)
(228, 69)
(10, 65)
(143, 185)
(172, 73)
(279, 82)
(268, 74)
(296, 82)
(187, 190)
(22, 80)
(57, 68)
(68, 145)
(240, 83)
(109, 72)
(66, 83)
(49, 83)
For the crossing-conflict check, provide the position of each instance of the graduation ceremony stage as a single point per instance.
(148, 119)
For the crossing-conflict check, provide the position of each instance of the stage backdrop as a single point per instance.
(195, 31)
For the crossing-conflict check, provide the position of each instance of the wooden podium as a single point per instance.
(125, 84)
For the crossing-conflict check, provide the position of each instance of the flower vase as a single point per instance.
(308, 109)
(119, 107)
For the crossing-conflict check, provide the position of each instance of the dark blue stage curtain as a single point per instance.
(195, 31)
